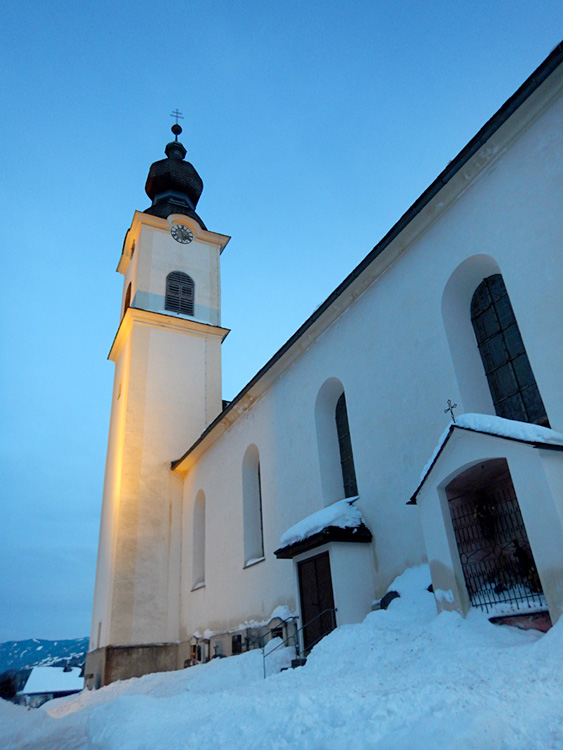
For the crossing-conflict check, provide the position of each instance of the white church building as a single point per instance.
(294, 506)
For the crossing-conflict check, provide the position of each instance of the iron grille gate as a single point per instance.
(498, 566)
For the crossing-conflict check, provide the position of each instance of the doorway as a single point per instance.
(318, 614)
(497, 561)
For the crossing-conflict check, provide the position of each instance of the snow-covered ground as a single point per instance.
(404, 679)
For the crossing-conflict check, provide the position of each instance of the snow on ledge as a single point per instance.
(341, 514)
(281, 612)
(507, 428)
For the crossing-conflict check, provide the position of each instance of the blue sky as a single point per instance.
(313, 125)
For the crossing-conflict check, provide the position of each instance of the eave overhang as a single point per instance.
(137, 316)
(359, 534)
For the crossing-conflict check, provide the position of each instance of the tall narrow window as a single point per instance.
(252, 506)
(345, 448)
(179, 293)
(511, 381)
(127, 302)
(198, 546)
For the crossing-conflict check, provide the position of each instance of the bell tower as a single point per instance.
(167, 389)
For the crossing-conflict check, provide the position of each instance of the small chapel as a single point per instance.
(289, 510)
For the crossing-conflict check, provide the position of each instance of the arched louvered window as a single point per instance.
(512, 383)
(345, 448)
(180, 290)
(127, 302)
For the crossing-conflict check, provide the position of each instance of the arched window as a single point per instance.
(198, 547)
(511, 381)
(252, 506)
(345, 448)
(338, 475)
(127, 302)
(179, 293)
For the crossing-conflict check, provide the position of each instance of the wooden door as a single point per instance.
(317, 600)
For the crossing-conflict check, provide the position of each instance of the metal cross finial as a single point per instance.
(177, 114)
(450, 409)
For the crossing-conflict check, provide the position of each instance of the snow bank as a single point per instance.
(342, 514)
(404, 679)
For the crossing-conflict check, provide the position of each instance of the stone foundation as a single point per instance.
(112, 663)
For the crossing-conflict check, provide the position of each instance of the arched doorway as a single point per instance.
(497, 561)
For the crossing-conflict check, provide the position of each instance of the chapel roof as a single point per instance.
(509, 429)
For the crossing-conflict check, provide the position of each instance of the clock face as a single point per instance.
(181, 234)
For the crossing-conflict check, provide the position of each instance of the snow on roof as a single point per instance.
(53, 680)
(341, 514)
(506, 428)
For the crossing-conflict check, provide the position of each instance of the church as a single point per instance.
(291, 509)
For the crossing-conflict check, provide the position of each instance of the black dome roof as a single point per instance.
(173, 185)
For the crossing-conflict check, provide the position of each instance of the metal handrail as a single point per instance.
(298, 653)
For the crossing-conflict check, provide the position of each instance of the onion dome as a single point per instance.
(173, 185)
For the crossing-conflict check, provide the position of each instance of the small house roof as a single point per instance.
(53, 680)
(510, 429)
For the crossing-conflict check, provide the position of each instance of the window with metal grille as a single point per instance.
(236, 644)
(345, 447)
(180, 289)
(511, 381)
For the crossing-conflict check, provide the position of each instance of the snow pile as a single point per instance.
(404, 679)
(507, 428)
(342, 514)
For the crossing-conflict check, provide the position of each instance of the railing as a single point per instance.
(295, 636)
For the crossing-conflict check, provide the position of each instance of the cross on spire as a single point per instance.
(176, 129)
(177, 114)
(450, 409)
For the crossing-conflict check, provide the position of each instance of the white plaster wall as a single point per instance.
(168, 376)
(351, 567)
(392, 353)
(101, 612)
(160, 254)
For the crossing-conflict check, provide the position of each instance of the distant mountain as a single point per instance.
(34, 652)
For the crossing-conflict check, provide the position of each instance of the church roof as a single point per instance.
(510, 429)
(538, 77)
